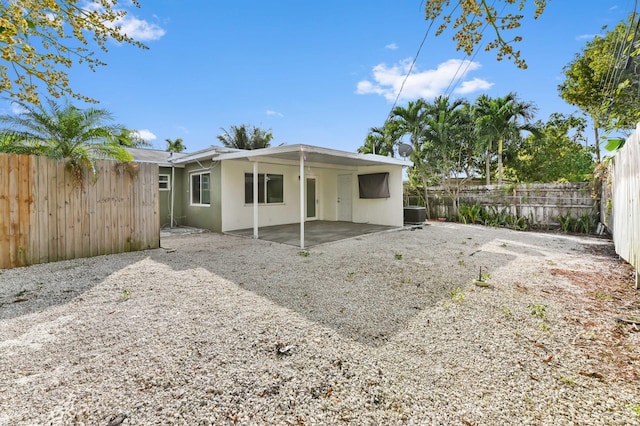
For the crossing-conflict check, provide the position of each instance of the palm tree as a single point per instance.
(498, 122)
(246, 137)
(175, 145)
(445, 138)
(411, 121)
(64, 132)
(130, 138)
(382, 140)
(441, 122)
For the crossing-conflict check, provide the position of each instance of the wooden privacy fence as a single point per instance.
(624, 175)
(47, 215)
(541, 203)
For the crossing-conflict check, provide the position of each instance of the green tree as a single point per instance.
(246, 137)
(40, 39)
(500, 121)
(382, 140)
(130, 138)
(79, 137)
(448, 144)
(175, 145)
(410, 121)
(557, 153)
(470, 17)
(441, 134)
(602, 82)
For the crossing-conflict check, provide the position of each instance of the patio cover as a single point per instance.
(293, 154)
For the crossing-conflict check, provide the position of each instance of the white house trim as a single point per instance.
(294, 163)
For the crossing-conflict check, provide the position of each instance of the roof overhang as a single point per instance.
(161, 158)
(287, 154)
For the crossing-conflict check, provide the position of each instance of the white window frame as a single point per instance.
(191, 176)
(264, 189)
(164, 182)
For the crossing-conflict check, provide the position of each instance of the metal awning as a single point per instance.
(299, 155)
(288, 154)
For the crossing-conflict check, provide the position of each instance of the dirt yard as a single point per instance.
(390, 328)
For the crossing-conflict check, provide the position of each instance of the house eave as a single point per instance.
(312, 154)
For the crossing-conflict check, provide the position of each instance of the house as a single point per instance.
(224, 189)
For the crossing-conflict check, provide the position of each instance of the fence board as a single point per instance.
(105, 197)
(41, 203)
(24, 209)
(101, 225)
(4, 212)
(153, 173)
(91, 218)
(146, 202)
(34, 228)
(61, 195)
(625, 202)
(52, 205)
(541, 203)
(123, 188)
(135, 218)
(46, 216)
(126, 216)
(85, 220)
(13, 210)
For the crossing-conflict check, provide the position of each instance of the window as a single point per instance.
(165, 182)
(374, 185)
(200, 189)
(270, 188)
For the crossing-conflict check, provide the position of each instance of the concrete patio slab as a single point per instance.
(180, 230)
(315, 232)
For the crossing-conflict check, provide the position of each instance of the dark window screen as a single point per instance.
(374, 185)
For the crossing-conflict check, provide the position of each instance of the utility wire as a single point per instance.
(618, 63)
(413, 63)
(410, 69)
(451, 85)
(627, 49)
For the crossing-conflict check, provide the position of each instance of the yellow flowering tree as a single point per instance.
(470, 18)
(41, 39)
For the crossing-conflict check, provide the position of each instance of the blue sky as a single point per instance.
(318, 73)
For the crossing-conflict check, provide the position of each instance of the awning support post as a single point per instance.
(255, 200)
(302, 184)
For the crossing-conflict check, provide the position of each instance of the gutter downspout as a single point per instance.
(173, 183)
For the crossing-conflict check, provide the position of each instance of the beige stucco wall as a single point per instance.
(235, 214)
(380, 211)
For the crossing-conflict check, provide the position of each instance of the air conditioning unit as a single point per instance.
(415, 214)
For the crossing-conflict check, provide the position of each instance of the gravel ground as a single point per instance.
(383, 329)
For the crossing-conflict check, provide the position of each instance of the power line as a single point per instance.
(475, 53)
(623, 46)
(411, 68)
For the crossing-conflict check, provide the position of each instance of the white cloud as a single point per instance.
(421, 84)
(586, 37)
(366, 87)
(139, 29)
(145, 135)
(133, 27)
(391, 46)
(470, 86)
(272, 113)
